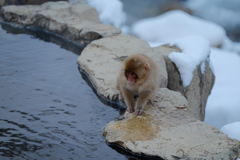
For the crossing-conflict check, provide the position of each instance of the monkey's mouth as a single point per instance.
(131, 76)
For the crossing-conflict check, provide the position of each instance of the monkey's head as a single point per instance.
(136, 68)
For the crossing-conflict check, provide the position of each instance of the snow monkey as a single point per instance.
(139, 76)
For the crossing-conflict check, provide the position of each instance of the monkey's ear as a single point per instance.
(146, 67)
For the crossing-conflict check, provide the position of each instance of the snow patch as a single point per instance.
(223, 104)
(195, 51)
(176, 24)
(232, 130)
(110, 11)
(227, 11)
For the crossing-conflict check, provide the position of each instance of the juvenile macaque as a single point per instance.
(139, 76)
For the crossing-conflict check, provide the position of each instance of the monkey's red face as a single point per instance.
(131, 76)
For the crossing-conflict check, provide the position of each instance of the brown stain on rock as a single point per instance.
(138, 128)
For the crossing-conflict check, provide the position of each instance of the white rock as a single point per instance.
(168, 132)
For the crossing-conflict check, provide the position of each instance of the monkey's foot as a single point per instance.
(131, 110)
(120, 97)
(138, 112)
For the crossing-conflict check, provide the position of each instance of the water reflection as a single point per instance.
(47, 111)
(46, 36)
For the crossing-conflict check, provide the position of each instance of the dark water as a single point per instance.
(47, 110)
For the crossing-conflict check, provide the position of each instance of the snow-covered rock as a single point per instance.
(196, 51)
(176, 24)
(189, 71)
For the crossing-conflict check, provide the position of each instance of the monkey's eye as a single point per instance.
(130, 73)
(136, 77)
(127, 72)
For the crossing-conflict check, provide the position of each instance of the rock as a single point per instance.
(100, 29)
(198, 90)
(77, 22)
(2, 2)
(168, 129)
(101, 60)
(171, 133)
(103, 77)
(25, 2)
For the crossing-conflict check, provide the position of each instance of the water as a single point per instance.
(47, 110)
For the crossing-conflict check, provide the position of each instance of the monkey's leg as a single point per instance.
(141, 102)
(120, 98)
(129, 99)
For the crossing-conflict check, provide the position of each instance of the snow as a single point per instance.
(195, 51)
(176, 24)
(227, 12)
(110, 11)
(232, 130)
(223, 104)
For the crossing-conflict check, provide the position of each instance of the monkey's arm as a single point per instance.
(142, 100)
(129, 99)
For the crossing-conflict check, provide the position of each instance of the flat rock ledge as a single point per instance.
(170, 128)
(102, 60)
(168, 131)
(79, 22)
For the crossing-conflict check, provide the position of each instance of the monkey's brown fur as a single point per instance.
(145, 84)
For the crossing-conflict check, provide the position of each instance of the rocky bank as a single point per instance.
(171, 128)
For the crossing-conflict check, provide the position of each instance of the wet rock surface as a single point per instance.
(25, 2)
(78, 22)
